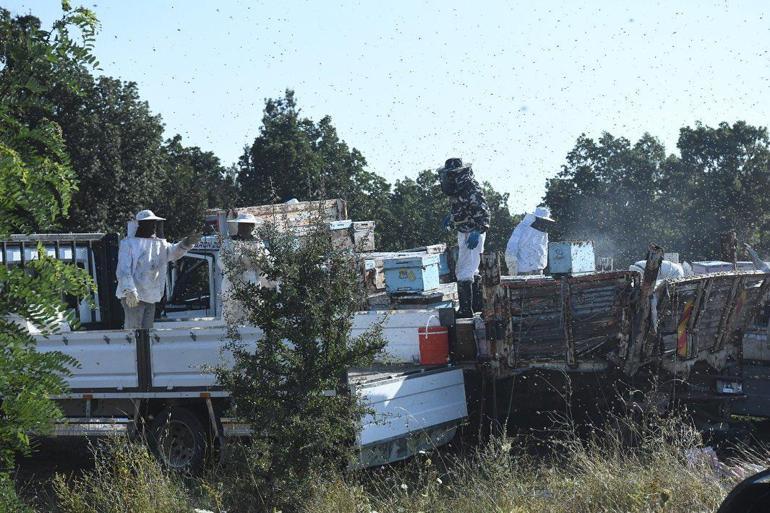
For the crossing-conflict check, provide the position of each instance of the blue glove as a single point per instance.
(473, 239)
(447, 222)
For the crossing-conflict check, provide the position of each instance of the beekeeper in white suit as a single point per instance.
(667, 271)
(527, 249)
(236, 265)
(143, 258)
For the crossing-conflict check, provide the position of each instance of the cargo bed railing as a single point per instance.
(95, 252)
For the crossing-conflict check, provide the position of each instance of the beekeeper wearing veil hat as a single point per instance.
(238, 266)
(469, 215)
(143, 258)
(527, 249)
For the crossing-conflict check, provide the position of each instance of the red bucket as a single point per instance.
(434, 345)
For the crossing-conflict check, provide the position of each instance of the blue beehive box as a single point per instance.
(443, 264)
(571, 257)
(416, 273)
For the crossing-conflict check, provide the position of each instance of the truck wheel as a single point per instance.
(179, 438)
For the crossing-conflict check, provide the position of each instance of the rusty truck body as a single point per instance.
(598, 333)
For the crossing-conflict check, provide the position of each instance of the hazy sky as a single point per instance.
(508, 86)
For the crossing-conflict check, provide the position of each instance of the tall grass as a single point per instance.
(651, 467)
(648, 465)
(126, 478)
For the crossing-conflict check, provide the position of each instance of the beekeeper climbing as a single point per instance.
(668, 270)
(143, 258)
(238, 266)
(470, 217)
(527, 249)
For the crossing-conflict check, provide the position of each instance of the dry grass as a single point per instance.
(126, 478)
(664, 471)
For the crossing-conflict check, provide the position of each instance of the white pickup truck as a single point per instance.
(162, 378)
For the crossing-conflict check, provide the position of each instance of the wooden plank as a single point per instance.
(642, 324)
(566, 321)
(704, 289)
(727, 314)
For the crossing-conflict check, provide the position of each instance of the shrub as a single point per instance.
(9, 501)
(292, 388)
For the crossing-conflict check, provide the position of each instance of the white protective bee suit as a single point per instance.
(527, 249)
(141, 272)
(667, 271)
(236, 266)
(236, 263)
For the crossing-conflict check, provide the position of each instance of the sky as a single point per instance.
(508, 86)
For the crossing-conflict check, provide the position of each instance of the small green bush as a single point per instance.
(292, 388)
(9, 501)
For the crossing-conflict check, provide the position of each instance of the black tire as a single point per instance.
(179, 439)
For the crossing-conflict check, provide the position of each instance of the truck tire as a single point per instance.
(179, 439)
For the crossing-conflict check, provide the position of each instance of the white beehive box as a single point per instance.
(571, 257)
(711, 266)
(363, 235)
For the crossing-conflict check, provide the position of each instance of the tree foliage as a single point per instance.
(624, 195)
(194, 180)
(113, 140)
(283, 387)
(293, 156)
(36, 187)
(115, 143)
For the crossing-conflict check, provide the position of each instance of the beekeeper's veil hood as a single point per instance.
(148, 224)
(448, 175)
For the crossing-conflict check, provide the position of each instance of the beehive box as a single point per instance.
(298, 217)
(363, 235)
(416, 273)
(340, 234)
(711, 266)
(435, 249)
(571, 257)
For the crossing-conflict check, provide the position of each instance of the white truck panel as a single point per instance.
(399, 329)
(187, 357)
(183, 353)
(107, 359)
(411, 403)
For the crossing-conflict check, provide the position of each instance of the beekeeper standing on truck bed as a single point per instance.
(236, 262)
(470, 217)
(527, 249)
(143, 258)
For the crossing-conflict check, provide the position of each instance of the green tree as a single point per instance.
(115, 143)
(36, 187)
(194, 181)
(417, 208)
(624, 196)
(295, 157)
(609, 192)
(282, 388)
(116, 149)
(719, 184)
(282, 162)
